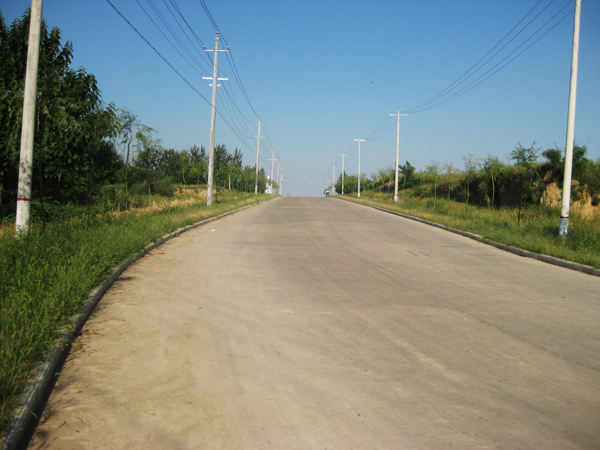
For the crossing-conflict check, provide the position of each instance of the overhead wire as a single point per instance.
(438, 98)
(202, 54)
(176, 7)
(383, 131)
(229, 58)
(231, 127)
(231, 61)
(196, 68)
(158, 53)
(491, 71)
(379, 127)
(464, 76)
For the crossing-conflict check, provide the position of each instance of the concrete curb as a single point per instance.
(41, 375)
(589, 270)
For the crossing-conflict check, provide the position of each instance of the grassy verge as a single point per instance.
(47, 275)
(538, 231)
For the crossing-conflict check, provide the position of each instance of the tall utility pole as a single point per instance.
(281, 182)
(278, 185)
(272, 164)
(28, 125)
(343, 156)
(359, 141)
(397, 153)
(213, 115)
(257, 154)
(333, 180)
(566, 193)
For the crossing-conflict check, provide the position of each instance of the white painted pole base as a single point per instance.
(23, 217)
(396, 198)
(563, 229)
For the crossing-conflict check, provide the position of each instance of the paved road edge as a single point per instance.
(589, 270)
(43, 373)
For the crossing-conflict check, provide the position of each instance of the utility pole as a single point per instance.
(333, 181)
(359, 141)
(397, 152)
(213, 115)
(281, 183)
(257, 154)
(278, 185)
(343, 156)
(272, 164)
(566, 193)
(23, 216)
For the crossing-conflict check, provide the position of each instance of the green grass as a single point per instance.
(538, 231)
(47, 275)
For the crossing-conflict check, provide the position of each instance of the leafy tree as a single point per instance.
(73, 151)
(471, 165)
(131, 138)
(147, 156)
(492, 169)
(583, 170)
(527, 174)
(350, 184)
(199, 162)
(434, 170)
(169, 163)
(556, 162)
(383, 179)
(450, 169)
(148, 152)
(408, 175)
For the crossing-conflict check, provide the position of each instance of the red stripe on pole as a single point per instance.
(23, 199)
(563, 217)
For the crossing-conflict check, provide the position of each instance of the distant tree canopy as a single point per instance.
(73, 149)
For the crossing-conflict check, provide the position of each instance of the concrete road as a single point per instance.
(320, 324)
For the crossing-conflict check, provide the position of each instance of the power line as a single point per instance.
(383, 132)
(158, 53)
(232, 64)
(458, 81)
(197, 69)
(229, 58)
(179, 74)
(438, 97)
(483, 77)
(185, 21)
(379, 127)
(211, 18)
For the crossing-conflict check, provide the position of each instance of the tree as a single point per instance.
(434, 170)
(383, 178)
(132, 135)
(492, 168)
(73, 151)
(450, 169)
(408, 173)
(556, 162)
(527, 174)
(170, 163)
(471, 165)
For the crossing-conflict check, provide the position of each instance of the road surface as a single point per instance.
(313, 323)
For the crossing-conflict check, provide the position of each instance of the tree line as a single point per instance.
(83, 144)
(489, 181)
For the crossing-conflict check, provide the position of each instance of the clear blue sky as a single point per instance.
(321, 73)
